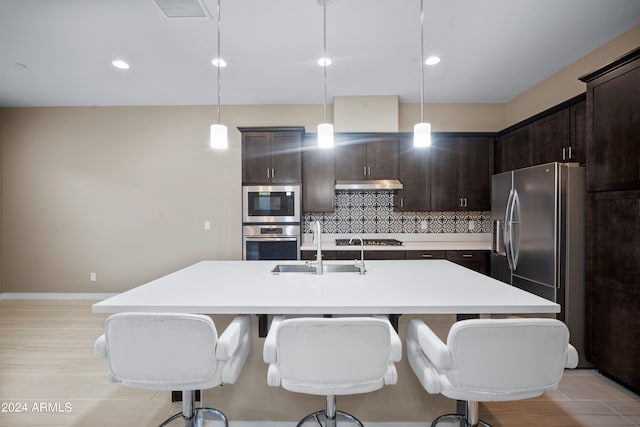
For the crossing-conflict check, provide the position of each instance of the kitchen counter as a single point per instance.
(410, 242)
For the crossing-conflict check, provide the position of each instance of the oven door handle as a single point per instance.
(271, 239)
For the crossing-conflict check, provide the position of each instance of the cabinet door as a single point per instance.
(515, 149)
(318, 178)
(613, 284)
(256, 158)
(474, 260)
(414, 174)
(578, 119)
(476, 169)
(551, 138)
(613, 126)
(445, 174)
(382, 158)
(286, 160)
(350, 158)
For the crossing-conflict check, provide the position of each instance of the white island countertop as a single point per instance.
(389, 287)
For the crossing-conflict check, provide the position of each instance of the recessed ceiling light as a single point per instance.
(432, 60)
(219, 62)
(118, 63)
(324, 62)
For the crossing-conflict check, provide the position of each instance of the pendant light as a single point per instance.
(325, 130)
(218, 133)
(422, 130)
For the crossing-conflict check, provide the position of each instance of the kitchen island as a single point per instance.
(434, 291)
(388, 287)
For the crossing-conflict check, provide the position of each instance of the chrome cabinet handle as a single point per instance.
(564, 152)
(467, 256)
(570, 154)
(273, 173)
(402, 202)
(427, 256)
(268, 173)
(369, 170)
(364, 170)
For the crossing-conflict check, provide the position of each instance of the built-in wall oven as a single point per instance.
(271, 222)
(271, 242)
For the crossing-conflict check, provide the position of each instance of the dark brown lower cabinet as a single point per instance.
(613, 284)
(308, 255)
(475, 260)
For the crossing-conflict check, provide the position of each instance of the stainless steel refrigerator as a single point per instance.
(538, 217)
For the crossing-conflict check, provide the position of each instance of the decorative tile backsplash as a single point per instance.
(372, 212)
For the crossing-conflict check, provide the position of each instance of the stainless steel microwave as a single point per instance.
(271, 204)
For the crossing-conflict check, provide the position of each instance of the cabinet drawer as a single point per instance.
(425, 254)
(467, 255)
(369, 255)
(475, 260)
(307, 255)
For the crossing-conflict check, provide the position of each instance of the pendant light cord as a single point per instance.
(324, 54)
(422, 61)
(219, 61)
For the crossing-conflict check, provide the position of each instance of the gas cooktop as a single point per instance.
(369, 242)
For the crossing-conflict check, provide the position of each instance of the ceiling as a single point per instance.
(59, 53)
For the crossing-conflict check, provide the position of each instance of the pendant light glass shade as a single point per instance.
(218, 137)
(325, 135)
(422, 135)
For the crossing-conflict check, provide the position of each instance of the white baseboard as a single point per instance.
(59, 296)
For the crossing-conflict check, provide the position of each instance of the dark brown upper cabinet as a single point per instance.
(551, 138)
(366, 157)
(514, 149)
(578, 124)
(613, 125)
(415, 176)
(318, 177)
(271, 155)
(461, 173)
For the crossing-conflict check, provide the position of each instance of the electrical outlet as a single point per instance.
(92, 277)
(472, 225)
(423, 225)
(207, 225)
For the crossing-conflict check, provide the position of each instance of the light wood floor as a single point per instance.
(47, 369)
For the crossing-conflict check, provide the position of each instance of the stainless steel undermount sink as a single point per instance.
(305, 268)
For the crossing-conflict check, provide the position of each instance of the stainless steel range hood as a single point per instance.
(373, 184)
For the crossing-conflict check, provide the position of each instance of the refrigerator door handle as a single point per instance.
(514, 241)
(507, 231)
(497, 237)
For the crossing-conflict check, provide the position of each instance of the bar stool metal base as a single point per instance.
(462, 420)
(329, 416)
(194, 417)
(470, 419)
(320, 419)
